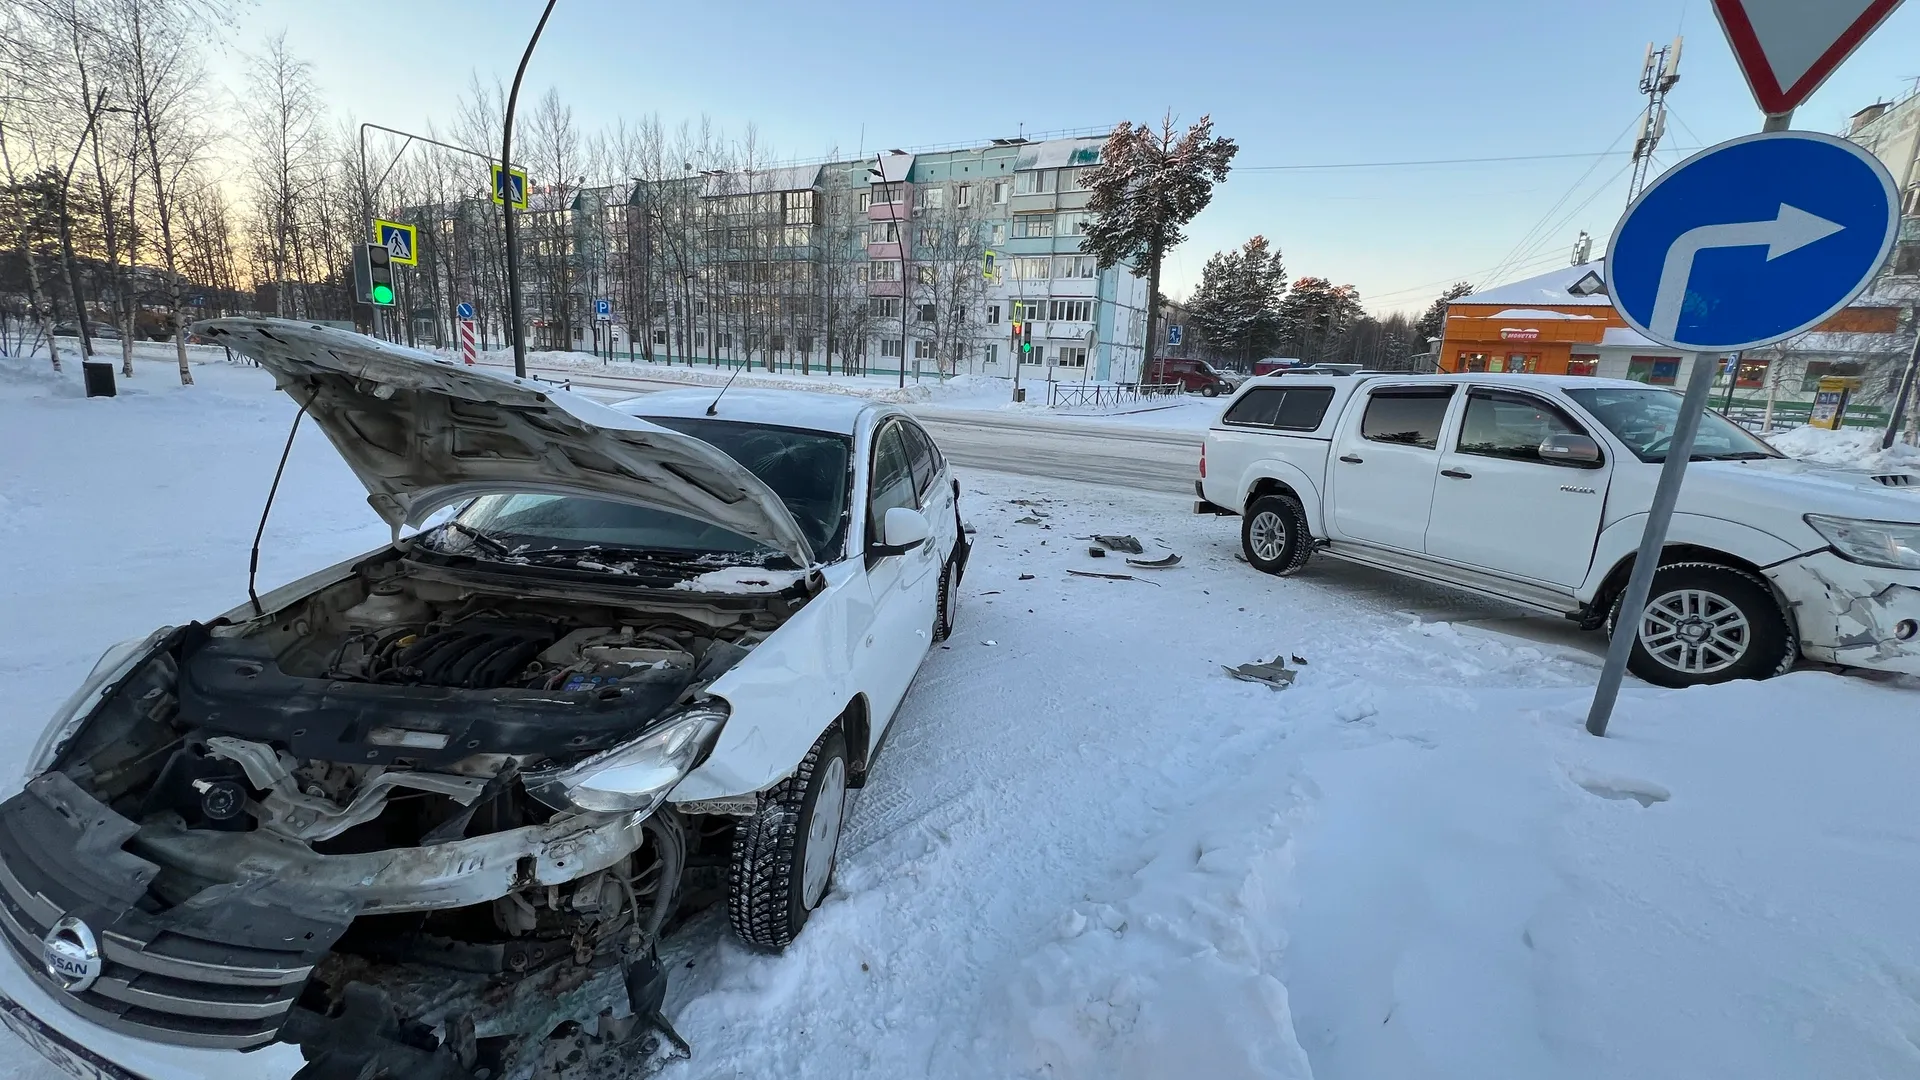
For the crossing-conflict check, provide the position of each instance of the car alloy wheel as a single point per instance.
(1695, 631)
(1267, 535)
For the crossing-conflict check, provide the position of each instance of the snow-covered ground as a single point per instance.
(1855, 448)
(1087, 852)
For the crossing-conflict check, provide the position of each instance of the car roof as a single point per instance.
(1519, 382)
(836, 413)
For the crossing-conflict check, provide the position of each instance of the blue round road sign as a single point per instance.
(1752, 241)
(465, 310)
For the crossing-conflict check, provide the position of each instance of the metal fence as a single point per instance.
(1066, 395)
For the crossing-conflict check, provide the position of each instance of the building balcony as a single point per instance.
(885, 288)
(888, 252)
(901, 211)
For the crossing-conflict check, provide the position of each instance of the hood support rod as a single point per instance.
(253, 559)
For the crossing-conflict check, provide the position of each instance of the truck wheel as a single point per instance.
(949, 602)
(1274, 535)
(1209, 390)
(1707, 623)
(783, 855)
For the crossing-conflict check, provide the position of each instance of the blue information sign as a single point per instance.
(1752, 241)
(465, 310)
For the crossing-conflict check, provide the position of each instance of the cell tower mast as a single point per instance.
(1657, 76)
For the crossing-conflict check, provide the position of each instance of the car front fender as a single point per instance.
(786, 691)
(1621, 540)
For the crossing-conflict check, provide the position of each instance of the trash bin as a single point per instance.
(1020, 393)
(99, 377)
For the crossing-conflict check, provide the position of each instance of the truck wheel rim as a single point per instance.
(823, 833)
(1695, 631)
(1267, 535)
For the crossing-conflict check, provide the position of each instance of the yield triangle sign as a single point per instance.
(1788, 47)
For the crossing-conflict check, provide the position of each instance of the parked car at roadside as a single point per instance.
(426, 812)
(1535, 489)
(1192, 376)
(1275, 365)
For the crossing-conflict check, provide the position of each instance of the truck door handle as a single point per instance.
(1457, 474)
(1352, 459)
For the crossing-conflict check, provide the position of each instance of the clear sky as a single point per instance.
(1294, 83)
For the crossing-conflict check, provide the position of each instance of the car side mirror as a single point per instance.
(1578, 450)
(901, 531)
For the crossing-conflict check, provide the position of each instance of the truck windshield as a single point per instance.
(1644, 419)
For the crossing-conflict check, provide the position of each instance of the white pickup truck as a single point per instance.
(1535, 489)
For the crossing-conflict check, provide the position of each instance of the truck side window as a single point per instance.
(1510, 426)
(1287, 408)
(1409, 416)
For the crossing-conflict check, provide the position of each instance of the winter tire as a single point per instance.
(783, 855)
(1274, 535)
(1209, 391)
(949, 603)
(1706, 623)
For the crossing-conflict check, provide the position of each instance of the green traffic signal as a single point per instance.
(383, 294)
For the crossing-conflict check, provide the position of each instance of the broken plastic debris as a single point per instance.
(1026, 577)
(1097, 552)
(989, 643)
(1028, 520)
(1110, 577)
(1128, 544)
(1155, 564)
(1273, 674)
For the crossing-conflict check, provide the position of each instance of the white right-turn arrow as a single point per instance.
(1791, 230)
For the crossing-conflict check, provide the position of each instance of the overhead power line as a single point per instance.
(1441, 161)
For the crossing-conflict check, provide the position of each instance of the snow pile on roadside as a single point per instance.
(1182, 975)
(1854, 448)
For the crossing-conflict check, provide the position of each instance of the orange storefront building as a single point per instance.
(1542, 326)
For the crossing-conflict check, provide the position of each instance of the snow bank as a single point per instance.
(1855, 448)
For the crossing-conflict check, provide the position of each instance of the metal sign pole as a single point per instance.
(1626, 630)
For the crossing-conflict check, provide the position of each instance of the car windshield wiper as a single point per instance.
(1734, 455)
(480, 539)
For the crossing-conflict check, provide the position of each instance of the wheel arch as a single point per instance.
(1615, 580)
(856, 722)
(1272, 477)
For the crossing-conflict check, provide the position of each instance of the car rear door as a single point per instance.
(1500, 506)
(1385, 462)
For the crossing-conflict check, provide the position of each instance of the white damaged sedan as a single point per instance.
(427, 812)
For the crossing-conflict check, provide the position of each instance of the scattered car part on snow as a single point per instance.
(1271, 674)
(1126, 544)
(1163, 563)
(1110, 577)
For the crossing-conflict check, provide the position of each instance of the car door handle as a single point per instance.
(1352, 459)
(1457, 474)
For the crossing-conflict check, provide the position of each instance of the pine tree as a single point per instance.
(1433, 322)
(1316, 315)
(1236, 309)
(1148, 186)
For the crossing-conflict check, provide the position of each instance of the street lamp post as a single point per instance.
(879, 173)
(506, 205)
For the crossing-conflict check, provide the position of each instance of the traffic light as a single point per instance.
(373, 275)
(1016, 334)
(1026, 337)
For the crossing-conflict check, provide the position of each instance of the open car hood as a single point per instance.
(422, 433)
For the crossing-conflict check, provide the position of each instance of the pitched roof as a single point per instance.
(1546, 289)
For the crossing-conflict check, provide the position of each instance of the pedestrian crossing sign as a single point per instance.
(399, 240)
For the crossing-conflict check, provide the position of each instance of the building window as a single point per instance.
(890, 347)
(993, 354)
(927, 274)
(930, 198)
(797, 207)
(1028, 310)
(1071, 356)
(1906, 259)
(886, 193)
(999, 191)
(963, 196)
(1033, 182)
(1072, 310)
(999, 233)
(883, 232)
(1032, 269)
(866, 200)
(1584, 365)
(922, 349)
(1075, 223)
(1036, 356)
(805, 343)
(1073, 179)
(1074, 266)
(926, 238)
(883, 270)
(883, 307)
(1032, 225)
(993, 314)
(659, 336)
(1753, 374)
(1819, 369)
(1654, 370)
(724, 341)
(929, 312)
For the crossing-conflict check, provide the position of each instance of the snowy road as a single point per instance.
(1087, 853)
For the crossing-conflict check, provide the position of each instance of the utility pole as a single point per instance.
(1657, 76)
(879, 173)
(1905, 397)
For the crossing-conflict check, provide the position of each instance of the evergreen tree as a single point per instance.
(1236, 309)
(1316, 315)
(1148, 186)
(1434, 321)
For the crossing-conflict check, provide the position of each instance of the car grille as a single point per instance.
(220, 971)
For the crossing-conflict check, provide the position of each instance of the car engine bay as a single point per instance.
(349, 825)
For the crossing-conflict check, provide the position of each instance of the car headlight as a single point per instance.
(637, 775)
(113, 665)
(1893, 544)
